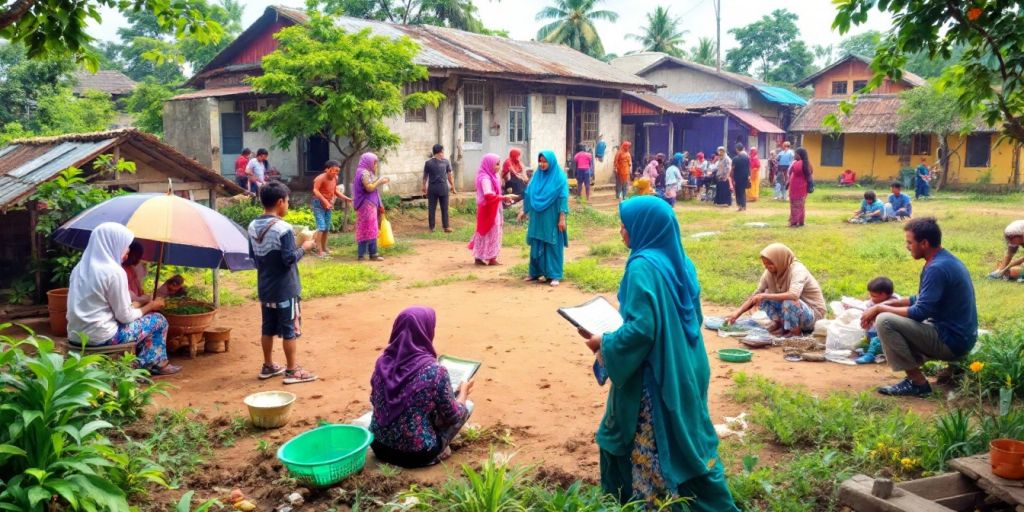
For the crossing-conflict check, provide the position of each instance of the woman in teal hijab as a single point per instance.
(546, 203)
(656, 438)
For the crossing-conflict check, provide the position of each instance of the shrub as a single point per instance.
(243, 213)
(1001, 355)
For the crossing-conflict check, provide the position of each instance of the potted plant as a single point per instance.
(187, 319)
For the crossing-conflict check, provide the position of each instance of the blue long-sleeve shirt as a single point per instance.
(900, 202)
(272, 247)
(946, 298)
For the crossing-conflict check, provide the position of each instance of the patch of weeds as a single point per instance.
(325, 278)
(589, 275)
(441, 281)
(608, 250)
(389, 471)
(999, 361)
(472, 433)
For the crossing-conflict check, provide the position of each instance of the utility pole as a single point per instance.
(718, 35)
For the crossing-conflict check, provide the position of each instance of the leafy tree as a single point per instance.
(146, 104)
(661, 33)
(460, 14)
(863, 44)
(573, 25)
(918, 62)
(933, 111)
(706, 51)
(56, 28)
(823, 54)
(986, 77)
(343, 86)
(771, 47)
(23, 82)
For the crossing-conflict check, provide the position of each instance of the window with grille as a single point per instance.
(979, 150)
(859, 85)
(416, 115)
(832, 150)
(839, 87)
(473, 111)
(246, 107)
(548, 104)
(921, 144)
(517, 119)
(588, 125)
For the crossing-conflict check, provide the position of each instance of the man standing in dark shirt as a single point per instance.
(740, 176)
(437, 181)
(939, 323)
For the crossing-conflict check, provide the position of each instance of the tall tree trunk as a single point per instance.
(944, 161)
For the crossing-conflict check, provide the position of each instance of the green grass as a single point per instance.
(324, 278)
(590, 275)
(441, 281)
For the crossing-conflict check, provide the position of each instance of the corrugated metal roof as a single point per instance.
(659, 103)
(456, 50)
(107, 81)
(213, 93)
(712, 99)
(37, 164)
(754, 120)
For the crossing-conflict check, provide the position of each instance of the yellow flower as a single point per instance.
(977, 366)
(906, 462)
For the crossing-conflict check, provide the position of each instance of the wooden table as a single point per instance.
(979, 469)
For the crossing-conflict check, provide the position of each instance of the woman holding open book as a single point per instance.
(656, 439)
(415, 412)
(546, 203)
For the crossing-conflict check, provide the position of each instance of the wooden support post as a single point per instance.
(36, 249)
(215, 281)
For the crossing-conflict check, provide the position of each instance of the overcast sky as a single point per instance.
(698, 17)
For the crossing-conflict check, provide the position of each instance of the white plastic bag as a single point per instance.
(843, 335)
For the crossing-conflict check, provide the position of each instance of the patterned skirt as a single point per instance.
(366, 222)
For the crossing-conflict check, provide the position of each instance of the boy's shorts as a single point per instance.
(322, 216)
(282, 319)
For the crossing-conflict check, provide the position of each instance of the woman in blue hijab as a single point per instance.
(546, 203)
(656, 439)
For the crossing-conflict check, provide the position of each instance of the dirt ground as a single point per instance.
(535, 381)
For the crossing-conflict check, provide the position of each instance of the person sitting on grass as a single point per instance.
(173, 287)
(848, 178)
(272, 247)
(939, 323)
(898, 207)
(416, 414)
(871, 209)
(880, 291)
(788, 293)
(1011, 268)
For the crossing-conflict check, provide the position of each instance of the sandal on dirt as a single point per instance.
(554, 283)
(272, 370)
(298, 376)
(479, 261)
(531, 279)
(376, 258)
(167, 369)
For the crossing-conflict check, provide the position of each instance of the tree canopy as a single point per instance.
(573, 25)
(661, 33)
(56, 28)
(932, 111)
(772, 48)
(985, 79)
(705, 52)
(343, 86)
(460, 14)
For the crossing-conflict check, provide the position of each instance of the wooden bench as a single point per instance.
(108, 350)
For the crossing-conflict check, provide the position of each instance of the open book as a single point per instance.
(459, 370)
(596, 316)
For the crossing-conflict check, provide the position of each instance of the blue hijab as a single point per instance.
(547, 187)
(654, 236)
(677, 160)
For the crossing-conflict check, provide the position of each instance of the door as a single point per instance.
(318, 151)
(230, 141)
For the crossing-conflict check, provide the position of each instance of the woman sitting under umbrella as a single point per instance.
(100, 310)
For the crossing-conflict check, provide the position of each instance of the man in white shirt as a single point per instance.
(256, 170)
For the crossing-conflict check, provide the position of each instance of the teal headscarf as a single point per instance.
(654, 236)
(677, 160)
(547, 187)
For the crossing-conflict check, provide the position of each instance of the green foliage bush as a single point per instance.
(1002, 354)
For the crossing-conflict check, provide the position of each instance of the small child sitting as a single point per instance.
(871, 209)
(880, 290)
(173, 287)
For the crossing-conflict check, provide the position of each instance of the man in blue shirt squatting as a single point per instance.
(939, 323)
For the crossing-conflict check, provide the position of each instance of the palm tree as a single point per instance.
(661, 34)
(574, 25)
(823, 54)
(704, 52)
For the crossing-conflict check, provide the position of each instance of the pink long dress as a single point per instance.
(797, 193)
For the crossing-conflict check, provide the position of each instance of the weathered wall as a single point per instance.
(865, 154)
(285, 160)
(610, 125)
(193, 128)
(849, 71)
(680, 80)
(547, 131)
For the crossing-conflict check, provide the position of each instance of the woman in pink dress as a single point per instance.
(799, 176)
(486, 241)
(368, 205)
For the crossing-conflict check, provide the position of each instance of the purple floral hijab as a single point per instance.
(410, 349)
(359, 194)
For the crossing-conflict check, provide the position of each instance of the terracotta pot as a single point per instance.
(1007, 458)
(179, 325)
(216, 339)
(57, 303)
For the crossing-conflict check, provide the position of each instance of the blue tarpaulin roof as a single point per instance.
(780, 95)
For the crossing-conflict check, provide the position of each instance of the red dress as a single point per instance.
(797, 193)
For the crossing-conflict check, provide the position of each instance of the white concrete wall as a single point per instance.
(547, 130)
(193, 128)
(285, 160)
(609, 124)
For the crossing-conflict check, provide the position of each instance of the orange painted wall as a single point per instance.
(849, 71)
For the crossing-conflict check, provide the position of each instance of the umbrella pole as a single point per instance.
(156, 279)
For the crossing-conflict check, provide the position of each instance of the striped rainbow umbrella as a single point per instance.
(173, 231)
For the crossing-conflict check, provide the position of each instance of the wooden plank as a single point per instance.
(940, 486)
(978, 468)
(856, 494)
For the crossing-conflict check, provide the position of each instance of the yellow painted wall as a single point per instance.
(865, 154)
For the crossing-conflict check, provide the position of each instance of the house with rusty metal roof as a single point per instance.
(500, 93)
(868, 143)
(699, 108)
(27, 163)
(112, 83)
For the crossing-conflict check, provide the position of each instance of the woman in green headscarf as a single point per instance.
(656, 438)
(546, 203)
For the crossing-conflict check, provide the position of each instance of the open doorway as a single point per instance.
(581, 125)
(318, 151)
